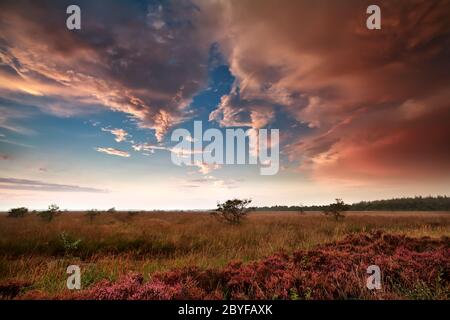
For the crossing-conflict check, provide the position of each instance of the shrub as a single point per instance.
(49, 214)
(232, 211)
(111, 210)
(91, 214)
(132, 214)
(337, 209)
(17, 212)
(411, 268)
(68, 243)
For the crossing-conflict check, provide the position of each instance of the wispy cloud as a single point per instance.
(8, 117)
(214, 181)
(206, 168)
(34, 185)
(120, 134)
(16, 143)
(114, 152)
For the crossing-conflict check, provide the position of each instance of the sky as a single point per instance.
(86, 116)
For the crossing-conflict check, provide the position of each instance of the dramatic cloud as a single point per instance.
(33, 185)
(236, 112)
(352, 105)
(376, 101)
(146, 60)
(114, 152)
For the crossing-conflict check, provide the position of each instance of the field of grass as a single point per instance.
(34, 254)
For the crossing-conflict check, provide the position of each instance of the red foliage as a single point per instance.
(411, 268)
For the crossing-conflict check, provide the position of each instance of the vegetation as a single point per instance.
(33, 259)
(412, 268)
(438, 203)
(132, 214)
(91, 214)
(17, 212)
(70, 245)
(48, 215)
(336, 210)
(232, 211)
(301, 209)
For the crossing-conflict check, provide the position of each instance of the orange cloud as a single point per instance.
(377, 102)
(120, 134)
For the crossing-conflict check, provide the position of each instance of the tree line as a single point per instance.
(418, 203)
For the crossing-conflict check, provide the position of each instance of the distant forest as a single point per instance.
(438, 203)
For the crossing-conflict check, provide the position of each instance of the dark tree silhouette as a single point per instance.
(91, 214)
(49, 214)
(17, 212)
(336, 210)
(232, 211)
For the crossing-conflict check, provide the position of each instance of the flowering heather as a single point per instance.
(412, 268)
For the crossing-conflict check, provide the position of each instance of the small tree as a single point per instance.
(301, 209)
(111, 210)
(92, 214)
(17, 212)
(232, 211)
(336, 210)
(132, 213)
(49, 214)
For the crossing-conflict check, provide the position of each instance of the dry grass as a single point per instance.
(33, 251)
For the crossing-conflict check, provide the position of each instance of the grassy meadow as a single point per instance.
(35, 253)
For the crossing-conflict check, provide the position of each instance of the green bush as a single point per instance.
(69, 244)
